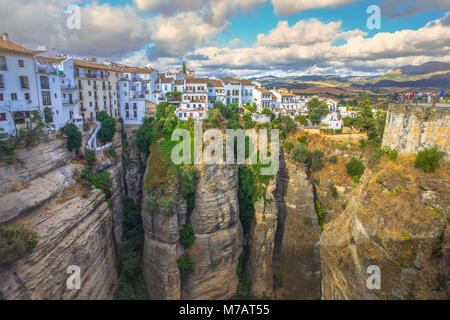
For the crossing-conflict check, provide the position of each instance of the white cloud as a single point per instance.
(289, 7)
(105, 30)
(305, 32)
(235, 42)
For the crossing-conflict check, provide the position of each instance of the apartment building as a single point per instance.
(263, 98)
(216, 92)
(98, 89)
(194, 102)
(18, 85)
(58, 90)
(239, 91)
(288, 103)
(136, 97)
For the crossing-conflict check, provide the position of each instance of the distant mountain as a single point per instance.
(436, 81)
(426, 68)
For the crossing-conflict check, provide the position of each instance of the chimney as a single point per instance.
(5, 36)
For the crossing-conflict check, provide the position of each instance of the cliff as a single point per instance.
(218, 237)
(396, 220)
(75, 224)
(411, 128)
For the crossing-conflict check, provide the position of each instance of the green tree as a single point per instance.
(188, 178)
(16, 242)
(355, 168)
(287, 124)
(184, 67)
(108, 128)
(90, 156)
(187, 236)
(74, 138)
(144, 136)
(213, 116)
(300, 154)
(186, 266)
(428, 159)
(317, 160)
(317, 110)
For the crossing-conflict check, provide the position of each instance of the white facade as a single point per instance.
(18, 86)
(263, 98)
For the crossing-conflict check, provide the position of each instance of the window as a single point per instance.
(24, 82)
(2, 116)
(27, 96)
(134, 106)
(3, 64)
(2, 83)
(45, 84)
(13, 96)
(126, 106)
(46, 99)
(1, 96)
(135, 114)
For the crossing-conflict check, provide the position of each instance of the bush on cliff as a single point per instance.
(355, 168)
(316, 160)
(16, 242)
(188, 179)
(90, 156)
(186, 266)
(108, 128)
(74, 138)
(300, 154)
(144, 136)
(187, 236)
(428, 159)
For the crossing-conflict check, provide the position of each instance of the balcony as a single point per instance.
(69, 87)
(69, 102)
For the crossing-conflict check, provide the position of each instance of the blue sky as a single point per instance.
(296, 37)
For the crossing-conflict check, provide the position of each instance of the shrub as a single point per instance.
(213, 116)
(355, 179)
(166, 205)
(393, 155)
(189, 177)
(112, 152)
(74, 138)
(130, 263)
(108, 128)
(287, 145)
(187, 236)
(300, 154)
(287, 124)
(302, 139)
(90, 156)
(333, 159)
(124, 289)
(144, 136)
(99, 180)
(302, 120)
(16, 242)
(316, 160)
(320, 214)
(186, 266)
(150, 203)
(333, 190)
(428, 159)
(355, 168)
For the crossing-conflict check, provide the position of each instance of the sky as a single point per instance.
(245, 38)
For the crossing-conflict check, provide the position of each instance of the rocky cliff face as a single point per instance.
(412, 128)
(75, 225)
(217, 246)
(296, 253)
(396, 220)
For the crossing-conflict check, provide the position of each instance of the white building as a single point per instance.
(216, 92)
(239, 91)
(194, 103)
(136, 98)
(263, 98)
(18, 85)
(287, 102)
(332, 121)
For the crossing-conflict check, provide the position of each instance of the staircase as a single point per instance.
(92, 143)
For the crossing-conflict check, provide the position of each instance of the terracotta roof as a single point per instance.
(243, 82)
(85, 64)
(10, 46)
(138, 70)
(214, 83)
(263, 90)
(166, 80)
(51, 60)
(196, 80)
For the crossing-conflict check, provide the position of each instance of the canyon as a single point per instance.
(396, 218)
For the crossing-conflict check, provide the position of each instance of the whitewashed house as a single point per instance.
(18, 85)
(194, 103)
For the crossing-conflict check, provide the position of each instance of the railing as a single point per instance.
(69, 102)
(69, 87)
(92, 143)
